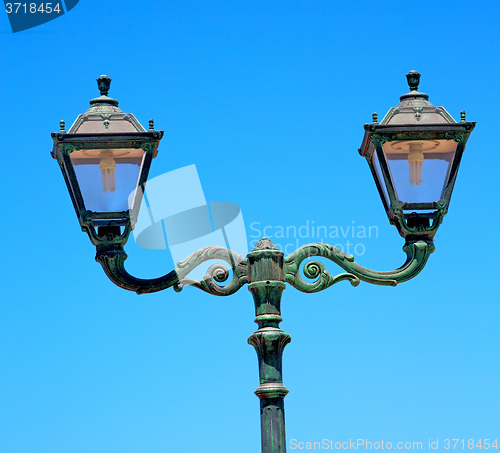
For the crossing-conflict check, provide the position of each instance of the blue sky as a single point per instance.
(268, 100)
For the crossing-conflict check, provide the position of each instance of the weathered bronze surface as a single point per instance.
(93, 130)
(414, 119)
(265, 269)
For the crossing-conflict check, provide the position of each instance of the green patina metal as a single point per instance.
(94, 130)
(265, 269)
(414, 119)
(266, 283)
(417, 254)
(111, 255)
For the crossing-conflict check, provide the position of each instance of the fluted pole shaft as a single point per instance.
(267, 284)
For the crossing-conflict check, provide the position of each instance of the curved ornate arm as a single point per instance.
(112, 259)
(417, 254)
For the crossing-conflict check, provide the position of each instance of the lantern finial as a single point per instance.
(103, 83)
(413, 78)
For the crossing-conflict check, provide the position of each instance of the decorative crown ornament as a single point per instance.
(413, 78)
(103, 83)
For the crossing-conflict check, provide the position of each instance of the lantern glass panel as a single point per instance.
(420, 169)
(381, 182)
(107, 176)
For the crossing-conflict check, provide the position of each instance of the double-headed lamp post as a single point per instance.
(413, 153)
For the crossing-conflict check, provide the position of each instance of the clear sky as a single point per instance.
(268, 100)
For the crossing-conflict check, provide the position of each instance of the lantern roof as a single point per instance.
(415, 108)
(104, 116)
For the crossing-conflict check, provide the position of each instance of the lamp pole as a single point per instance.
(415, 137)
(266, 283)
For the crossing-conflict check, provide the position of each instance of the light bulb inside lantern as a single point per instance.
(107, 165)
(415, 159)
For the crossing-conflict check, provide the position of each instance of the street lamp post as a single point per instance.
(414, 155)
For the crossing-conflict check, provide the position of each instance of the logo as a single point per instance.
(174, 212)
(26, 15)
